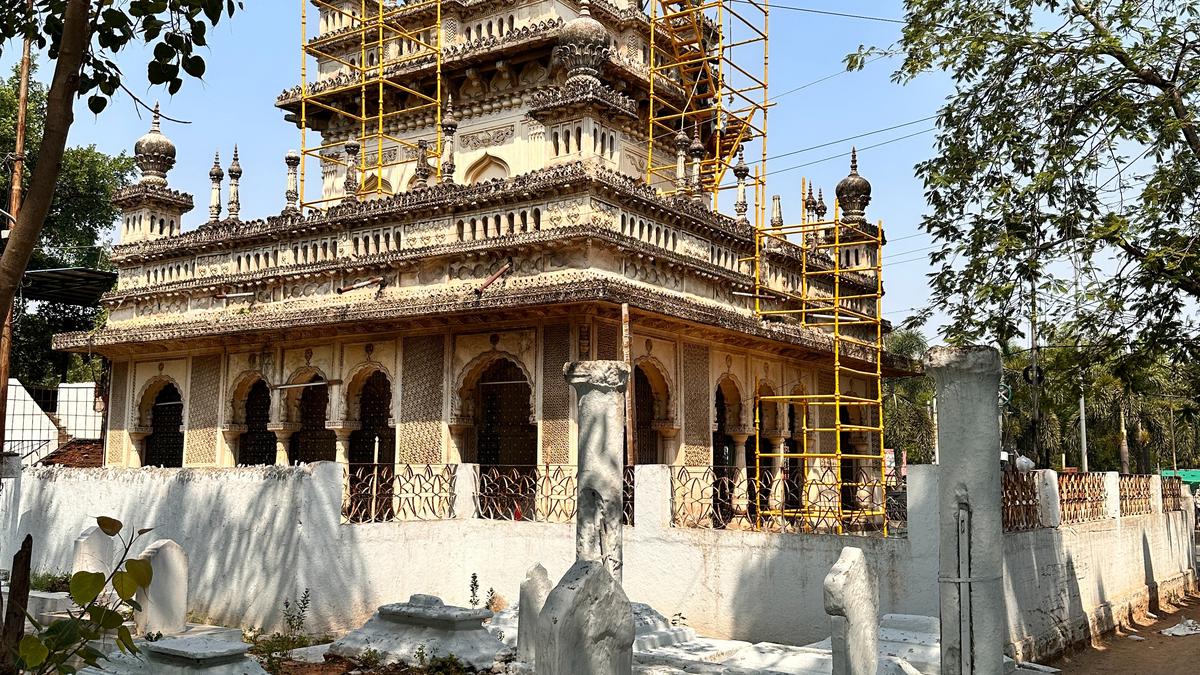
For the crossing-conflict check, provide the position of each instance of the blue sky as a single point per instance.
(254, 56)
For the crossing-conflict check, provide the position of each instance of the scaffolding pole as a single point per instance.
(378, 70)
(836, 468)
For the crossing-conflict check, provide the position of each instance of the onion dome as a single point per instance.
(154, 154)
(741, 170)
(235, 167)
(696, 149)
(854, 193)
(583, 45)
(681, 142)
(292, 158)
(449, 121)
(216, 173)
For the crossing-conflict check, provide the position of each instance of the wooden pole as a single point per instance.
(14, 207)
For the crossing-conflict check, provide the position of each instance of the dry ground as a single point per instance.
(1158, 654)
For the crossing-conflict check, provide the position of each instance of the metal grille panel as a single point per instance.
(556, 394)
(420, 428)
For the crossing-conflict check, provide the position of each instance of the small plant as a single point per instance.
(294, 616)
(495, 602)
(50, 582)
(678, 619)
(490, 598)
(474, 586)
(370, 659)
(274, 647)
(422, 657)
(154, 637)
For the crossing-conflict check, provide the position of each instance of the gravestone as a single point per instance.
(424, 624)
(182, 656)
(586, 625)
(852, 603)
(534, 591)
(164, 602)
(93, 552)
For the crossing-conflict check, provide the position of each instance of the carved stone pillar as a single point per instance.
(778, 484)
(231, 434)
(283, 433)
(460, 430)
(741, 488)
(600, 398)
(137, 446)
(342, 431)
(668, 431)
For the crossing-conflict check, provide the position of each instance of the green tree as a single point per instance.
(1070, 142)
(907, 423)
(80, 213)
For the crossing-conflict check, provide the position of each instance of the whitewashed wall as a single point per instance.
(257, 535)
(28, 431)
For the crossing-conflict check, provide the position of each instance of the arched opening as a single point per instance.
(505, 443)
(727, 406)
(762, 474)
(256, 445)
(164, 444)
(487, 168)
(312, 442)
(797, 472)
(651, 403)
(372, 451)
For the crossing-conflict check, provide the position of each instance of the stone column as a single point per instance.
(231, 434)
(10, 504)
(466, 491)
(778, 483)
(1112, 495)
(1049, 505)
(971, 548)
(669, 433)
(652, 498)
(741, 490)
(600, 398)
(283, 434)
(342, 443)
(137, 448)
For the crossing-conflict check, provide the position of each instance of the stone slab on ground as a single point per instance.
(704, 650)
(770, 658)
(504, 625)
(182, 656)
(397, 631)
(313, 654)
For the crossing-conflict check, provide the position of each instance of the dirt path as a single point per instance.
(1158, 654)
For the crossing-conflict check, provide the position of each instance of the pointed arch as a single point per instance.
(375, 186)
(469, 377)
(236, 414)
(488, 167)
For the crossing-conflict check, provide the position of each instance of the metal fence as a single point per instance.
(728, 497)
(378, 493)
(1019, 501)
(1135, 495)
(1082, 497)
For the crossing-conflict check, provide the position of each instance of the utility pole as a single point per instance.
(1034, 378)
(1083, 450)
(14, 206)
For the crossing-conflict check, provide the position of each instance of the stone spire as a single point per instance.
(423, 170)
(235, 197)
(810, 204)
(854, 193)
(292, 196)
(741, 171)
(821, 209)
(350, 185)
(215, 174)
(696, 150)
(776, 212)
(154, 153)
(583, 46)
(449, 128)
(681, 178)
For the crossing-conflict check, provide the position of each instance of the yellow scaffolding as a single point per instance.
(366, 54)
(836, 469)
(703, 84)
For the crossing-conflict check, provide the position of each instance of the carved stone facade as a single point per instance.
(436, 320)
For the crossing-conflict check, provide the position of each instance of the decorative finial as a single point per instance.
(681, 179)
(292, 196)
(585, 7)
(696, 150)
(776, 211)
(423, 171)
(350, 185)
(154, 119)
(214, 203)
(583, 45)
(853, 160)
(235, 196)
(741, 171)
(821, 208)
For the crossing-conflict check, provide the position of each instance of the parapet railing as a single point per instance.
(378, 493)
(1172, 493)
(1019, 501)
(1082, 497)
(1135, 495)
(731, 497)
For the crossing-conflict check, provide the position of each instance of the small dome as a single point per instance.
(584, 29)
(583, 46)
(216, 173)
(854, 188)
(235, 168)
(154, 153)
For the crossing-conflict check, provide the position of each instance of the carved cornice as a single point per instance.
(143, 194)
(553, 102)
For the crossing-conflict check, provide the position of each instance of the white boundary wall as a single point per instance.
(257, 535)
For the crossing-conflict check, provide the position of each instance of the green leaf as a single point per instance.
(97, 103)
(194, 66)
(109, 526)
(125, 640)
(144, 530)
(32, 651)
(124, 584)
(106, 617)
(140, 570)
(85, 586)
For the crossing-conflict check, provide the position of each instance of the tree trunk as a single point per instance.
(23, 236)
(1124, 443)
(18, 600)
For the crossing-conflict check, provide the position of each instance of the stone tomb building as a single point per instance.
(367, 332)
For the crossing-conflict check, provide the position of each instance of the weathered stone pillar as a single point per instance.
(231, 434)
(600, 396)
(652, 498)
(1049, 505)
(741, 490)
(10, 504)
(283, 434)
(342, 444)
(466, 491)
(971, 550)
(775, 477)
(852, 603)
(137, 446)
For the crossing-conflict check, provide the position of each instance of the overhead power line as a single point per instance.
(825, 12)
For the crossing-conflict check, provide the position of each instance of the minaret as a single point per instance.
(741, 171)
(853, 195)
(696, 150)
(423, 171)
(150, 209)
(449, 128)
(292, 196)
(682, 186)
(776, 212)
(350, 185)
(235, 197)
(215, 174)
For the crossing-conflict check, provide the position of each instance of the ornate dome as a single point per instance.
(154, 154)
(583, 45)
(854, 192)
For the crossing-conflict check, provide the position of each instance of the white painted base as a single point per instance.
(182, 656)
